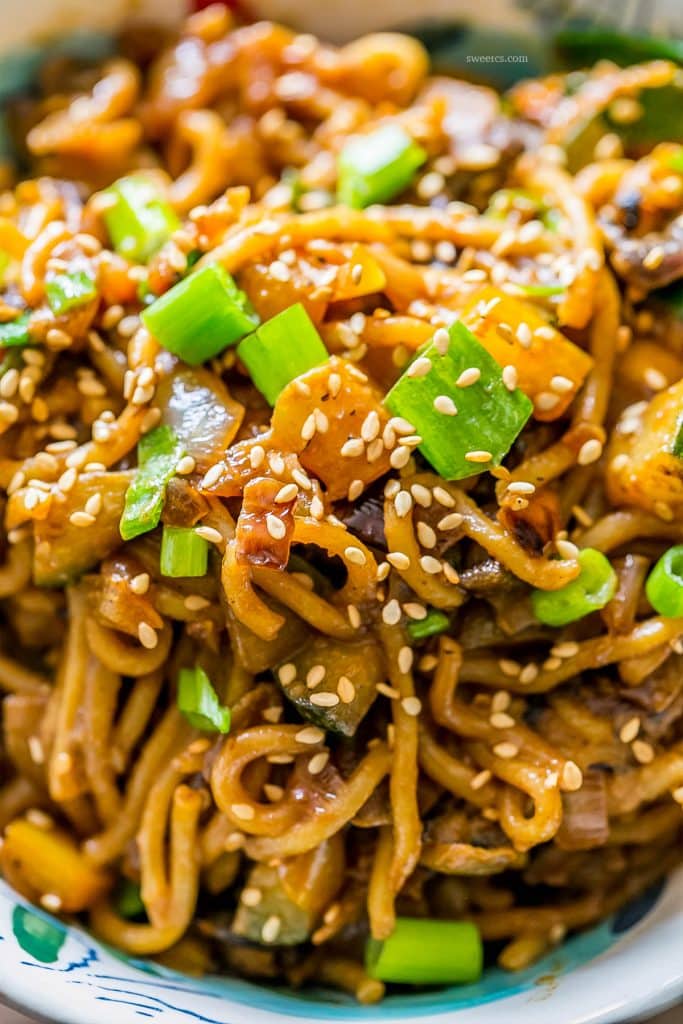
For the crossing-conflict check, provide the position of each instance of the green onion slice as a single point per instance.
(592, 589)
(68, 291)
(158, 455)
(14, 333)
(281, 349)
(454, 371)
(201, 315)
(664, 587)
(374, 168)
(434, 622)
(424, 951)
(199, 702)
(139, 219)
(183, 552)
(127, 899)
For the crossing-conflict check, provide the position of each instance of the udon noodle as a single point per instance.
(408, 736)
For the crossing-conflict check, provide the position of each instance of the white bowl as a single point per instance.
(629, 966)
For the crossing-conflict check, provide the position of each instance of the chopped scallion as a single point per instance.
(201, 315)
(374, 168)
(592, 589)
(14, 333)
(158, 455)
(454, 396)
(127, 899)
(434, 622)
(542, 290)
(199, 702)
(139, 220)
(68, 291)
(664, 587)
(183, 552)
(281, 349)
(426, 951)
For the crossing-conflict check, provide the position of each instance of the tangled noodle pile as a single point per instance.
(407, 736)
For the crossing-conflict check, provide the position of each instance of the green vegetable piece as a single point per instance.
(14, 333)
(374, 168)
(435, 622)
(281, 349)
(37, 935)
(424, 951)
(296, 922)
(586, 46)
(542, 290)
(127, 899)
(201, 315)
(68, 291)
(199, 702)
(488, 418)
(592, 589)
(183, 552)
(664, 587)
(139, 220)
(158, 455)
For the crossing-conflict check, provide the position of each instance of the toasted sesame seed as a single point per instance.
(677, 794)
(324, 699)
(355, 490)
(213, 475)
(353, 447)
(370, 426)
(630, 730)
(506, 750)
(478, 456)
(398, 559)
(528, 673)
(414, 610)
(388, 691)
(346, 690)
(243, 811)
(468, 377)
(196, 603)
(315, 676)
(566, 649)
(405, 659)
(412, 706)
(546, 400)
(501, 720)
(442, 340)
(93, 505)
(403, 502)
(571, 778)
(275, 527)
(81, 519)
(273, 714)
(590, 451)
(318, 761)
(251, 896)
(286, 493)
(562, 385)
(400, 457)
(420, 367)
(566, 549)
(426, 535)
(234, 841)
(500, 700)
(479, 780)
(510, 377)
(355, 555)
(520, 487)
(140, 584)
(287, 673)
(271, 928)
(445, 405)
(311, 734)
(391, 613)
(430, 565)
(450, 573)
(443, 497)
(655, 379)
(309, 427)
(421, 494)
(401, 425)
(147, 636)
(209, 534)
(642, 751)
(550, 664)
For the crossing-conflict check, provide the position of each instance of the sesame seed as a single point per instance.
(388, 691)
(510, 377)
(442, 340)
(401, 425)
(275, 527)
(355, 490)
(375, 450)
(209, 534)
(35, 748)
(412, 706)
(642, 751)
(546, 400)
(273, 714)
(355, 555)
(468, 377)
(147, 636)
(506, 750)
(51, 901)
(528, 673)
(383, 570)
(430, 564)
(523, 335)
(420, 367)
(324, 699)
(478, 456)
(655, 379)
(80, 518)
(271, 928)
(317, 509)
(521, 487)
(256, 458)
(550, 664)
(213, 475)
(318, 762)
(321, 421)
(677, 794)
(286, 493)
(443, 497)
(571, 778)
(251, 897)
(311, 734)
(562, 385)
(391, 613)
(414, 610)
(195, 603)
(186, 465)
(400, 457)
(421, 494)
(630, 730)
(566, 549)
(346, 690)
(590, 451)
(140, 584)
(398, 559)
(370, 428)
(309, 427)
(450, 573)
(287, 673)
(501, 720)
(403, 503)
(480, 779)
(445, 405)
(405, 659)
(233, 842)
(243, 811)
(426, 535)
(315, 676)
(353, 447)
(93, 505)
(500, 700)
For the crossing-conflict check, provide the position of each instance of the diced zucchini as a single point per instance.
(358, 661)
